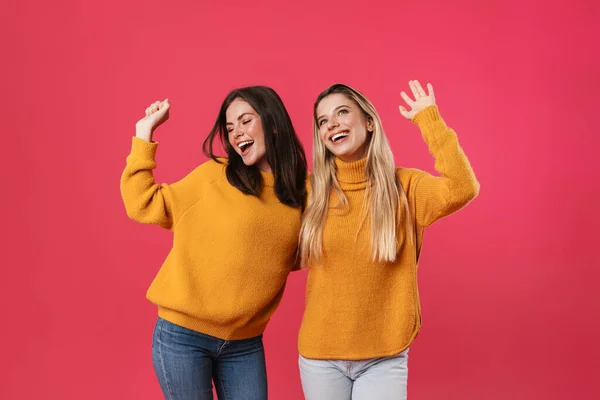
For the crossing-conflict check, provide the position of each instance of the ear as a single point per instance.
(370, 125)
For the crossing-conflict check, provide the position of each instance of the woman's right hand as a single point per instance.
(156, 114)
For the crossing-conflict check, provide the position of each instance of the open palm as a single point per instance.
(422, 100)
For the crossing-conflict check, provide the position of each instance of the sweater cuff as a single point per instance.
(427, 116)
(142, 149)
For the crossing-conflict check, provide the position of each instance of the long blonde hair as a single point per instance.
(384, 193)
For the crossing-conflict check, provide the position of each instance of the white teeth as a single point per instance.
(338, 136)
(244, 144)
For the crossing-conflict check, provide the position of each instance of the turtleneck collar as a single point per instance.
(351, 172)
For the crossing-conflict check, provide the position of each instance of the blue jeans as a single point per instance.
(378, 378)
(186, 362)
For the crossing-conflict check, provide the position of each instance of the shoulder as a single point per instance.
(210, 171)
(409, 177)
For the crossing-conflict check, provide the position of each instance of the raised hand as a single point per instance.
(156, 114)
(422, 100)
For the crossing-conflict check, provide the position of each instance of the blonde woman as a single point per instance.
(361, 237)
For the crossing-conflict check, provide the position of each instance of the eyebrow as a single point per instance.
(240, 117)
(338, 107)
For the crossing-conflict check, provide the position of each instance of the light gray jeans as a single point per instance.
(375, 379)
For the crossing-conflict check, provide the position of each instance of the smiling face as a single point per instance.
(343, 127)
(245, 134)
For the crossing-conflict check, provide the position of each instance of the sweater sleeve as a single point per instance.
(439, 196)
(148, 202)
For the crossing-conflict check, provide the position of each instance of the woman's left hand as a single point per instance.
(422, 100)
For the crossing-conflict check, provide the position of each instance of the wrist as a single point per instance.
(144, 135)
(427, 116)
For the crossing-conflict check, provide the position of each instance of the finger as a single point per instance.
(407, 99)
(430, 89)
(406, 114)
(164, 109)
(403, 111)
(420, 89)
(147, 111)
(413, 88)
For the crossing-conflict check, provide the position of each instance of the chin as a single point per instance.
(340, 154)
(249, 163)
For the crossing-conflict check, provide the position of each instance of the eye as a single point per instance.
(321, 122)
(245, 122)
(343, 111)
(229, 130)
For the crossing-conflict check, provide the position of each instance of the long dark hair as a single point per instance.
(284, 151)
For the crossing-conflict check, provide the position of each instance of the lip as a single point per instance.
(346, 131)
(247, 149)
(238, 142)
(338, 132)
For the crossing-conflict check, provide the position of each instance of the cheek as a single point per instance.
(354, 123)
(361, 138)
(360, 128)
(323, 133)
(230, 140)
(256, 131)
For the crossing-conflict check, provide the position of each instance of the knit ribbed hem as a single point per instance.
(353, 355)
(427, 116)
(142, 149)
(208, 328)
(433, 128)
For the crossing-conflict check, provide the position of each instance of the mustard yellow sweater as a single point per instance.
(231, 254)
(358, 309)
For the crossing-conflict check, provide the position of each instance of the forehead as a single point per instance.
(331, 102)
(237, 108)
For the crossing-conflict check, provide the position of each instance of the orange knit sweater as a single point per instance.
(359, 309)
(231, 254)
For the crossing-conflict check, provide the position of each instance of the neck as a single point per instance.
(264, 166)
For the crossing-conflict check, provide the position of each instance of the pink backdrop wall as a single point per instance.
(509, 285)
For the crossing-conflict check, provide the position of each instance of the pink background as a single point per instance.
(509, 285)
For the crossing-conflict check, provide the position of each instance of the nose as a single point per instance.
(237, 132)
(332, 123)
